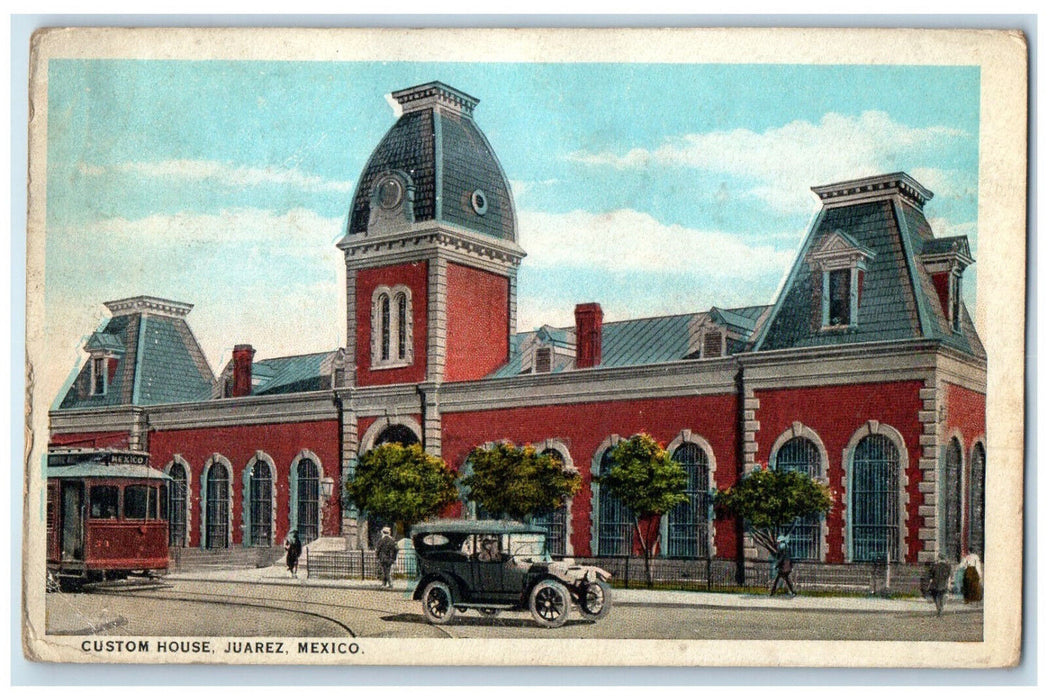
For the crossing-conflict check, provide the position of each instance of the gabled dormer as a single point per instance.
(945, 260)
(840, 264)
(104, 351)
(548, 350)
(718, 333)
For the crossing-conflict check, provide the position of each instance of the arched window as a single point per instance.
(177, 505)
(977, 502)
(391, 327)
(555, 522)
(875, 499)
(799, 454)
(687, 528)
(308, 497)
(383, 302)
(397, 433)
(951, 502)
(261, 505)
(217, 516)
(615, 526)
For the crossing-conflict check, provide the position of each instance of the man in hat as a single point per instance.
(783, 565)
(386, 551)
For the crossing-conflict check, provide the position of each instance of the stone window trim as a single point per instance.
(799, 430)
(692, 437)
(873, 427)
(214, 459)
(180, 460)
(389, 333)
(248, 473)
(293, 491)
(367, 440)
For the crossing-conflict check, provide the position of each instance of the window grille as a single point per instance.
(308, 501)
(217, 507)
(261, 505)
(875, 499)
(555, 522)
(687, 529)
(615, 527)
(840, 297)
(977, 516)
(800, 454)
(177, 509)
(951, 502)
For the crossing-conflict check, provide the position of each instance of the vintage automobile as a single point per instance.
(494, 565)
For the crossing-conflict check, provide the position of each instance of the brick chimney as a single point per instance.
(243, 355)
(589, 321)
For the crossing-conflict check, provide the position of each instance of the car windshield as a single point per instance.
(529, 545)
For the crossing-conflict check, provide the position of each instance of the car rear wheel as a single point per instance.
(550, 603)
(437, 603)
(595, 601)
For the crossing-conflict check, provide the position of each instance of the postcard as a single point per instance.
(673, 347)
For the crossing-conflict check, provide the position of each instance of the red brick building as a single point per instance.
(866, 372)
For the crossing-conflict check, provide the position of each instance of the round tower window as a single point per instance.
(390, 193)
(480, 202)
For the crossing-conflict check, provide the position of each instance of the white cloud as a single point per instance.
(784, 161)
(225, 174)
(626, 240)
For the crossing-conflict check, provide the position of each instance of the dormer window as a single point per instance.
(712, 344)
(945, 260)
(543, 360)
(955, 302)
(391, 327)
(841, 263)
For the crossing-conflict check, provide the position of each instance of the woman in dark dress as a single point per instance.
(293, 547)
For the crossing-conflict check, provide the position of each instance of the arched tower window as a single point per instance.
(391, 327)
(556, 521)
(687, 530)
(261, 505)
(217, 514)
(308, 500)
(875, 499)
(951, 501)
(177, 505)
(615, 526)
(977, 502)
(799, 454)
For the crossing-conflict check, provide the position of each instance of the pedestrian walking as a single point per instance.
(971, 581)
(386, 551)
(293, 550)
(938, 578)
(783, 565)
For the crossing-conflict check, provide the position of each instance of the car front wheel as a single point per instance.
(595, 600)
(437, 603)
(550, 603)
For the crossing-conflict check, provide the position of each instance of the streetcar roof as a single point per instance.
(99, 470)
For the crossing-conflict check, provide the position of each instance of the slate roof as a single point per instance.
(898, 300)
(635, 342)
(448, 158)
(160, 362)
(284, 375)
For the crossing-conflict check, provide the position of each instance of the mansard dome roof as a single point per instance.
(441, 154)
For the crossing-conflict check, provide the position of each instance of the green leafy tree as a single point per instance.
(402, 485)
(770, 502)
(518, 482)
(644, 477)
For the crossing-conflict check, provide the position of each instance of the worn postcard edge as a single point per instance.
(1002, 59)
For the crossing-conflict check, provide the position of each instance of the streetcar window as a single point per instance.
(136, 499)
(152, 503)
(104, 501)
(164, 507)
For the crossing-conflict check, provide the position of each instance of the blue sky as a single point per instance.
(650, 188)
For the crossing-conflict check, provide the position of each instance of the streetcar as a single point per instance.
(106, 516)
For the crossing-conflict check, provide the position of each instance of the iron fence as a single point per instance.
(357, 564)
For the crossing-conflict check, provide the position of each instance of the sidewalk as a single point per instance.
(278, 575)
